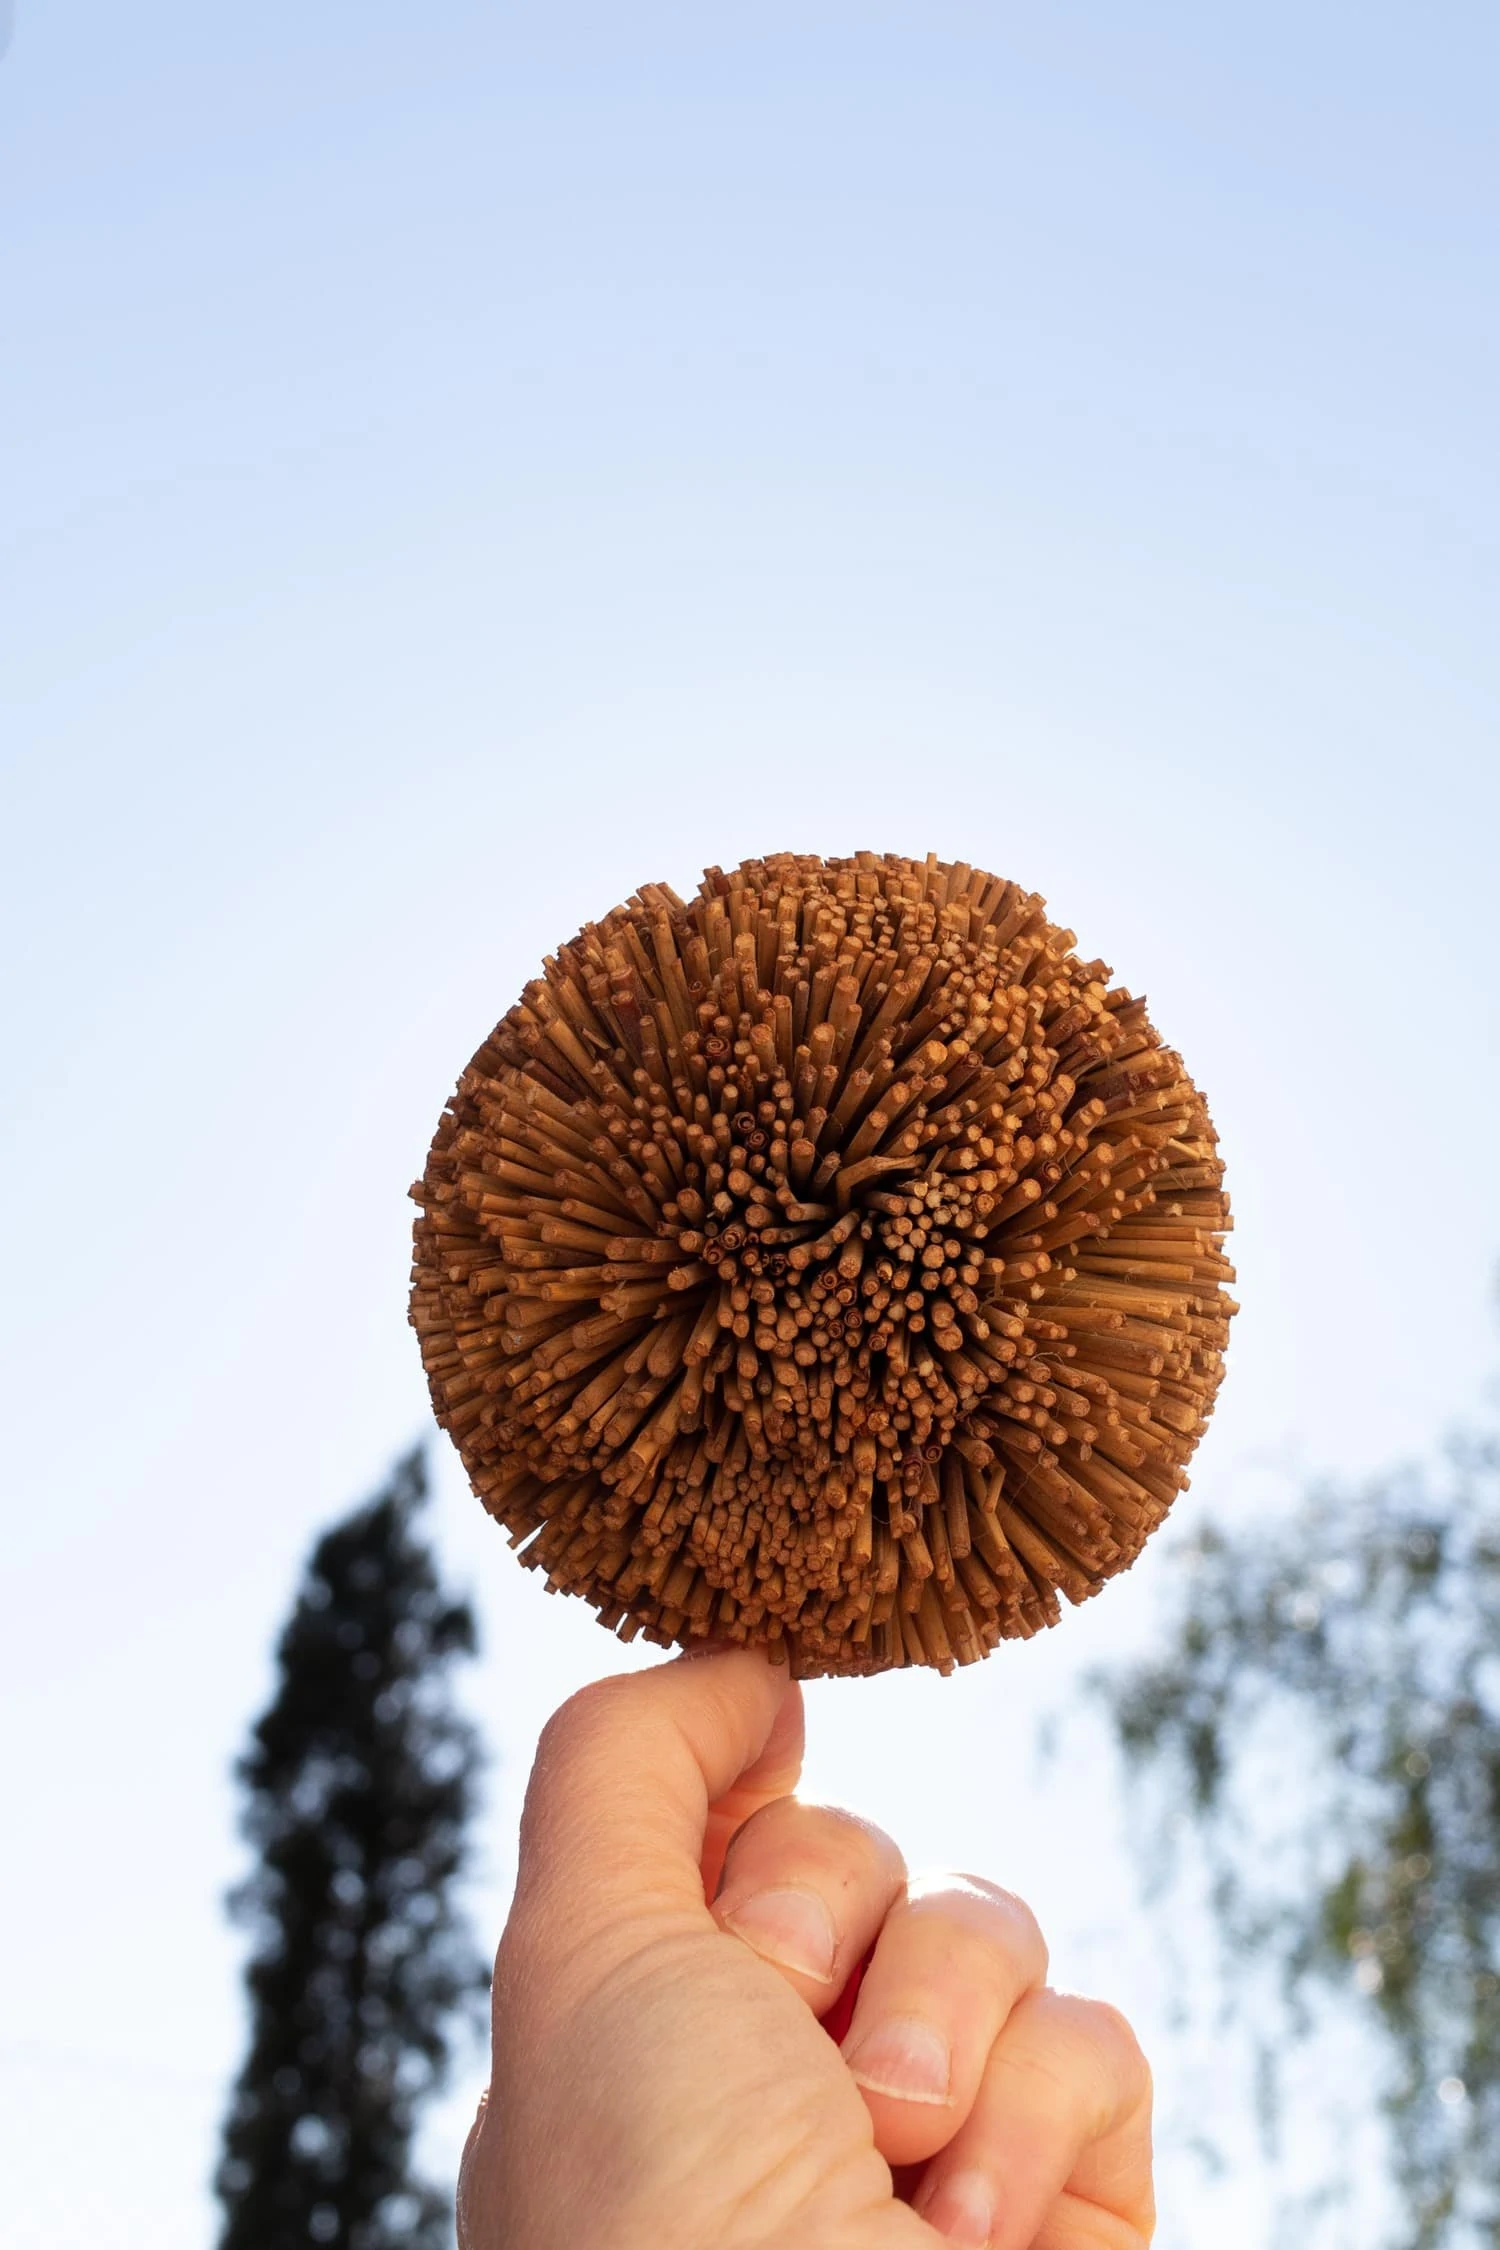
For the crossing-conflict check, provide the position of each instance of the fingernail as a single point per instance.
(904, 2057)
(790, 1927)
(962, 2207)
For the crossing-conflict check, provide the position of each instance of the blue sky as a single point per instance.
(455, 466)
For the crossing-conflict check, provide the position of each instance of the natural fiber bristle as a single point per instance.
(833, 1260)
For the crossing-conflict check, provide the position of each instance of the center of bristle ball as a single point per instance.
(833, 1258)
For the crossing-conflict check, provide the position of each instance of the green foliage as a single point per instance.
(359, 1782)
(1327, 1717)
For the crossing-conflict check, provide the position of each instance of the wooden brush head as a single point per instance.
(832, 1260)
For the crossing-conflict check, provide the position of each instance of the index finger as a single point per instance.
(638, 1785)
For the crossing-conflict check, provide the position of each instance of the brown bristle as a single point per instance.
(834, 1261)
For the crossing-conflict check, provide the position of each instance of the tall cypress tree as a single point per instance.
(359, 1781)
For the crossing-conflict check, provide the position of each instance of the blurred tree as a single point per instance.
(1328, 1714)
(360, 1781)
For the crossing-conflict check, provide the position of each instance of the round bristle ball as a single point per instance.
(834, 1259)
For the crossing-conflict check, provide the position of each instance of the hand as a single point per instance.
(661, 2080)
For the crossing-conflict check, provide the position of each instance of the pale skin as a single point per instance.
(661, 2077)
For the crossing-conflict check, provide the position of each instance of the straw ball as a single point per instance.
(831, 1260)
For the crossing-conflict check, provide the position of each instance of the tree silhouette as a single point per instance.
(1327, 1716)
(359, 1781)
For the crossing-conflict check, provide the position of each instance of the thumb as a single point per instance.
(638, 1785)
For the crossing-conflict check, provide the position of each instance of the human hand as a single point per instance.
(661, 2080)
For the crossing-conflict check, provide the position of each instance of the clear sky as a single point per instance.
(459, 463)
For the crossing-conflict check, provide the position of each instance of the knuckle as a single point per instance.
(588, 1716)
(829, 1836)
(991, 1911)
(852, 1836)
(579, 1747)
(1111, 2058)
(1116, 2034)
